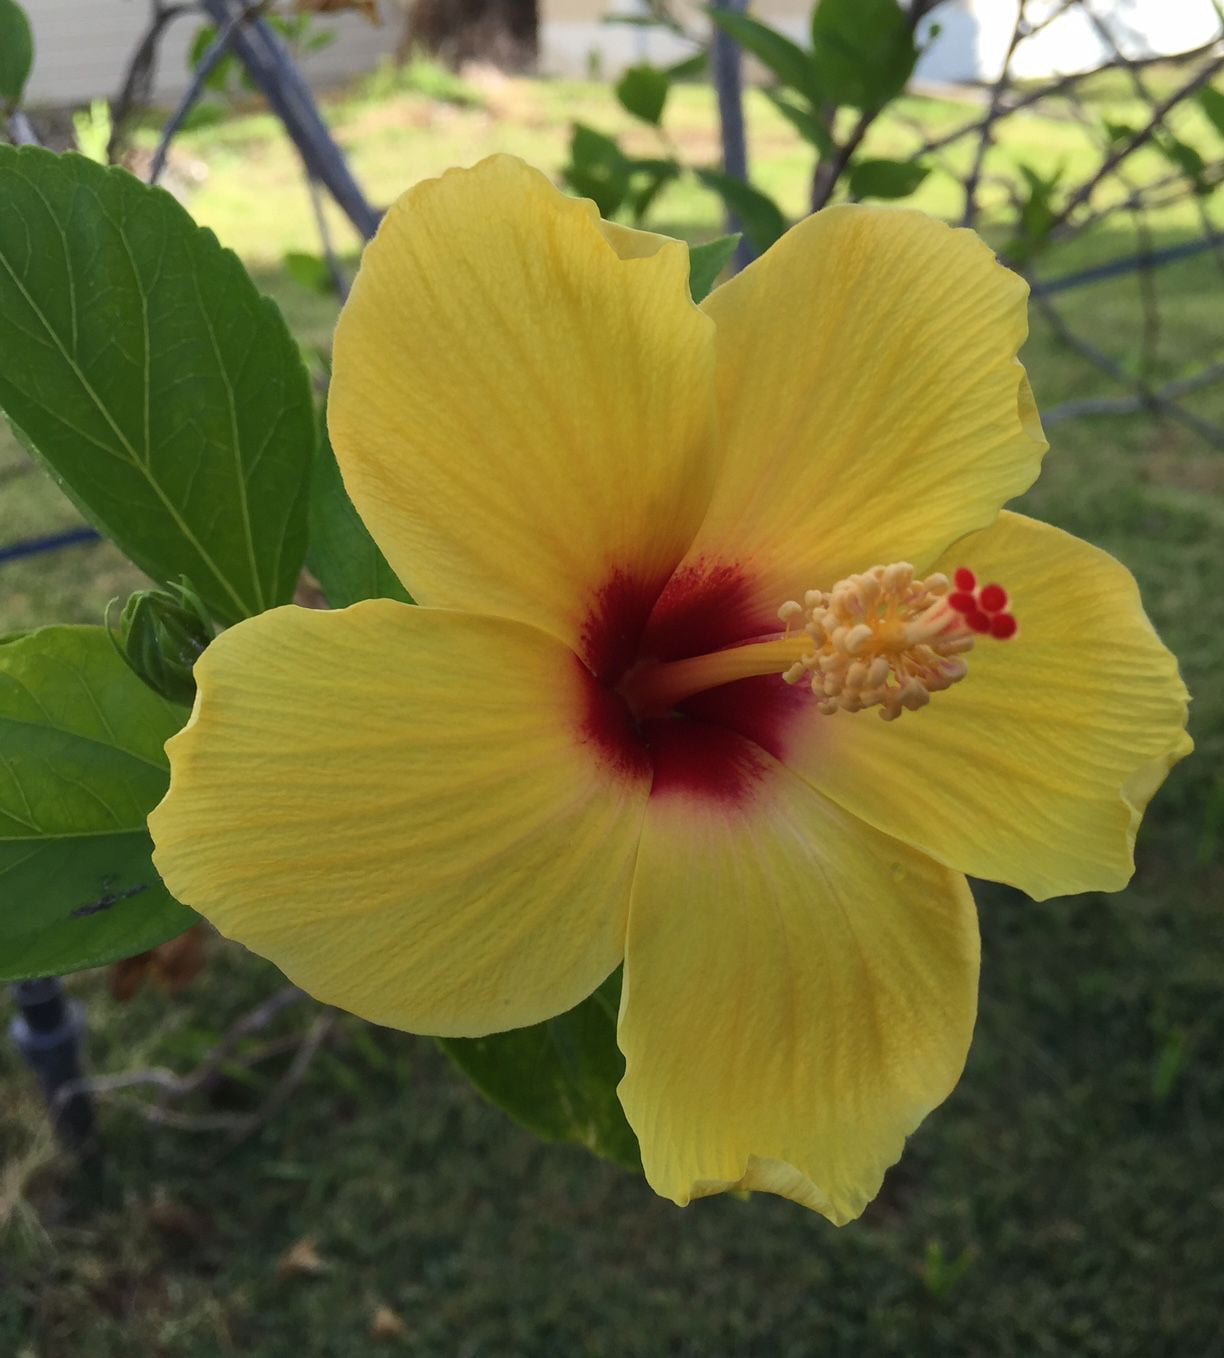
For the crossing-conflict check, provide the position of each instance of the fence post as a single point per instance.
(727, 61)
(282, 85)
(47, 1030)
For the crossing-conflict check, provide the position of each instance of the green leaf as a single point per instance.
(707, 261)
(308, 271)
(1211, 101)
(863, 51)
(1037, 214)
(598, 169)
(690, 68)
(16, 53)
(808, 124)
(642, 91)
(1118, 132)
(140, 364)
(1182, 155)
(558, 1079)
(81, 767)
(220, 76)
(785, 59)
(886, 178)
(342, 555)
(759, 215)
(648, 178)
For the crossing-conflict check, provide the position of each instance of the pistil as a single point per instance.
(654, 688)
(881, 639)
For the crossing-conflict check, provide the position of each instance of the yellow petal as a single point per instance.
(799, 993)
(630, 243)
(1036, 768)
(870, 399)
(395, 805)
(521, 410)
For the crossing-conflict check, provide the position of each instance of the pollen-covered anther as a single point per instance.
(889, 640)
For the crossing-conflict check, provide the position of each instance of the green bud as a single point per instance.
(161, 634)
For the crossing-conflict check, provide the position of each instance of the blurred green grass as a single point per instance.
(1065, 1201)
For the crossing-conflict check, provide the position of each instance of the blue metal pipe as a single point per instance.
(51, 543)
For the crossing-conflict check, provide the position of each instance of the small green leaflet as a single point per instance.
(1211, 101)
(886, 178)
(308, 271)
(165, 395)
(81, 767)
(707, 261)
(642, 91)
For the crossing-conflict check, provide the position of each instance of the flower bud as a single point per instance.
(161, 634)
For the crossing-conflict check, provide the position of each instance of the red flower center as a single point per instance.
(714, 744)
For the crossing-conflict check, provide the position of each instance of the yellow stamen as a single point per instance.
(881, 639)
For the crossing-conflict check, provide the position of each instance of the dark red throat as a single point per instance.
(715, 746)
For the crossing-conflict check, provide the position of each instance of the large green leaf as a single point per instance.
(16, 53)
(810, 126)
(786, 60)
(144, 369)
(558, 1079)
(81, 767)
(598, 169)
(863, 51)
(342, 555)
(759, 215)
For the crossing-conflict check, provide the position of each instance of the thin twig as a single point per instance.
(239, 1125)
(199, 78)
(827, 172)
(339, 280)
(179, 1086)
(1144, 259)
(1064, 85)
(1142, 89)
(1133, 143)
(315, 1036)
(993, 110)
(1156, 401)
(278, 79)
(138, 82)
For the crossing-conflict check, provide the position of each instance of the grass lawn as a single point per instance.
(1065, 1201)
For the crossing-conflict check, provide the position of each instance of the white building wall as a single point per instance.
(1070, 43)
(971, 43)
(82, 49)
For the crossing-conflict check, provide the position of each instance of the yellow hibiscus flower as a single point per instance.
(598, 738)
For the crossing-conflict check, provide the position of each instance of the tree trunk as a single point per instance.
(504, 33)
